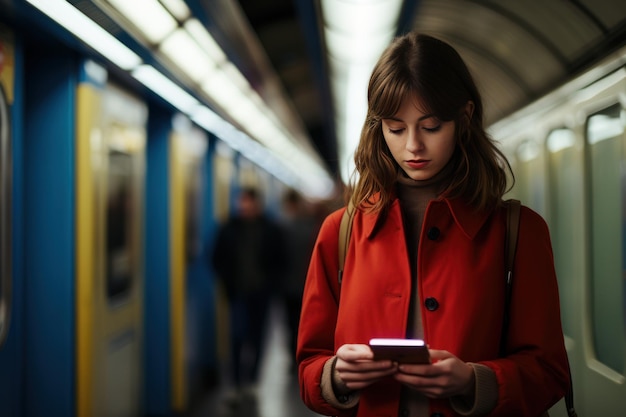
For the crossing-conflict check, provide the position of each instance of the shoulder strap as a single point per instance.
(510, 242)
(345, 229)
(513, 208)
(510, 247)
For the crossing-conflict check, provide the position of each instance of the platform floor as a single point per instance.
(277, 394)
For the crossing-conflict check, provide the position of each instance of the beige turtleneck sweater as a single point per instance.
(414, 197)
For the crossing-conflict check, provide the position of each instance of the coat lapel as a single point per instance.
(468, 220)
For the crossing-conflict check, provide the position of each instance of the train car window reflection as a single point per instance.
(566, 200)
(529, 164)
(560, 139)
(528, 151)
(607, 185)
(118, 217)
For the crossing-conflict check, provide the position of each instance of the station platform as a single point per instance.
(277, 394)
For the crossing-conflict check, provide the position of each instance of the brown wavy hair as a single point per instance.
(420, 65)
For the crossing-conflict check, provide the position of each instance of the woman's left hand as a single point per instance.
(447, 376)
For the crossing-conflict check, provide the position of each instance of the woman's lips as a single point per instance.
(418, 164)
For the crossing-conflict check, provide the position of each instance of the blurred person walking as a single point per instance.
(248, 257)
(300, 228)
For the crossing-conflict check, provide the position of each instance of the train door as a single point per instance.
(566, 184)
(567, 208)
(530, 175)
(603, 376)
(111, 138)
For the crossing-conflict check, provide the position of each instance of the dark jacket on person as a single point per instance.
(249, 255)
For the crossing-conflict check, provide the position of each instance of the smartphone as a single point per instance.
(412, 351)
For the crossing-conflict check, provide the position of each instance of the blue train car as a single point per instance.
(567, 152)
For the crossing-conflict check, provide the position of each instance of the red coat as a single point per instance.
(461, 294)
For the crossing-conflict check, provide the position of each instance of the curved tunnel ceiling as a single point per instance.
(518, 51)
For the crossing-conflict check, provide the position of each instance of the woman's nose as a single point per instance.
(414, 141)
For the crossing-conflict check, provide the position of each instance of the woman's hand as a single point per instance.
(357, 368)
(447, 376)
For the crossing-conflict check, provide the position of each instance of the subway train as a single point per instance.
(568, 154)
(110, 197)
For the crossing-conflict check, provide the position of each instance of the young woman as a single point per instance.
(426, 260)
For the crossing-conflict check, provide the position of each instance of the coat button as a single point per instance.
(433, 233)
(431, 304)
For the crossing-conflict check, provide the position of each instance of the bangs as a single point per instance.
(386, 99)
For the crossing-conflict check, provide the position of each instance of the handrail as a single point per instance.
(6, 168)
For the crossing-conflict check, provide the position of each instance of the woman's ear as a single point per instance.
(466, 117)
(469, 109)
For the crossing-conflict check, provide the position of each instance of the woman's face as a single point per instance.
(420, 143)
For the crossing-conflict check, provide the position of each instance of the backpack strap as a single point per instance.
(569, 396)
(513, 208)
(345, 229)
(510, 246)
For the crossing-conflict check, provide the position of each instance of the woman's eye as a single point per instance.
(432, 129)
(395, 131)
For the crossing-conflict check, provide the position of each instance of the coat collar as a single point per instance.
(469, 220)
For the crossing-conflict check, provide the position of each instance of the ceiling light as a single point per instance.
(235, 76)
(205, 40)
(356, 33)
(222, 90)
(209, 120)
(193, 50)
(187, 55)
(178, 8)
(165, 88)
(365, 16)
(357, 47)
(89, 32)
(149, 16)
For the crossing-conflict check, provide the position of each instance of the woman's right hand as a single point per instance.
(357, 368)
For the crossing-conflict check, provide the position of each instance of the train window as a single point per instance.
(529, 175)
(566, 204)
(5, 209)
(607, 187)
(119, 221)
